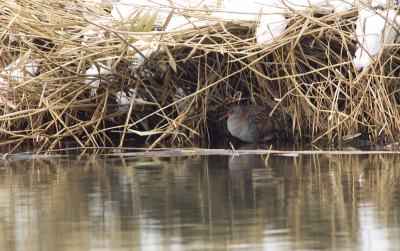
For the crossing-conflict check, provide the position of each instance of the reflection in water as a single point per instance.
(247, 202)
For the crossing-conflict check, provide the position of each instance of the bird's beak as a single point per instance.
(224, 117)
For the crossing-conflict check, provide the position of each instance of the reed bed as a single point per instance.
(180, 90)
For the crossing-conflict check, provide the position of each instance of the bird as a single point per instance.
(252, 123)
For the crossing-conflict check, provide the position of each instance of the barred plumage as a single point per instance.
(252, 123)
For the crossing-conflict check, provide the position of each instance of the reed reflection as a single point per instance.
(263, 201)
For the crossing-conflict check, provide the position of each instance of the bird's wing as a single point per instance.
(255, 133)
(266, 125)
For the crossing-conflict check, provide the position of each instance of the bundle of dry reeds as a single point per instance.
(71, 70)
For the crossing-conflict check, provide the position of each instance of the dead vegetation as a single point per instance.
(188, 78)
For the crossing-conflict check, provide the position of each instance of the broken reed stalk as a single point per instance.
(306, 75)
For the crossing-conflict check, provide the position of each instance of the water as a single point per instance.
(249, 202)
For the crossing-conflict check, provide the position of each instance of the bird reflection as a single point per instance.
(247, 174)
(245, 161)
(249, 161)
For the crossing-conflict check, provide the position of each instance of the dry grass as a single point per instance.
(307, 74)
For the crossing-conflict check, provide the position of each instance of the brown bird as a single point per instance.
(252, 123)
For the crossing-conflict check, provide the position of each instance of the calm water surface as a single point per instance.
(248, 202)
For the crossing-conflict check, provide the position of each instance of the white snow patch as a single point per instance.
(18, 72)
(270, 27)
(374, 29)
(124, 99)
(95, 75)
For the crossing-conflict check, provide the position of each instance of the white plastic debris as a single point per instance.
(374, 28)
(95, 75)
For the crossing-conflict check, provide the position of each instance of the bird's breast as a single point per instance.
(240, 129)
